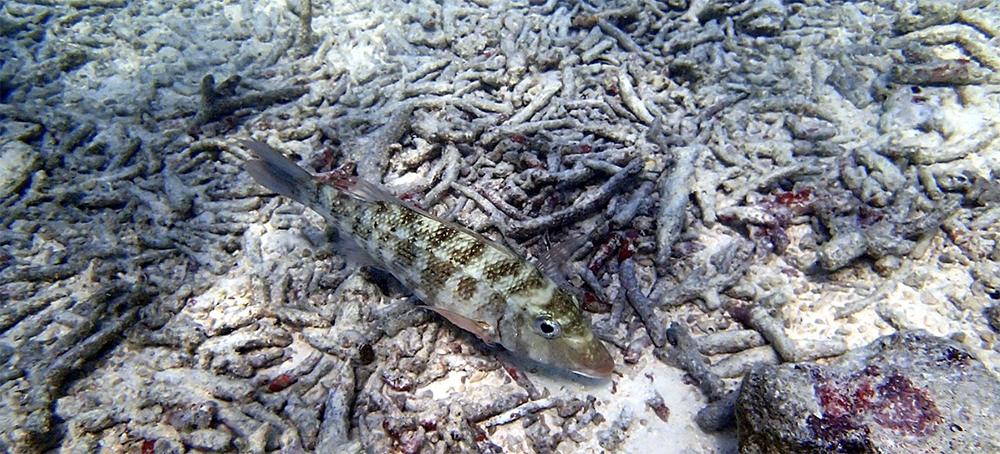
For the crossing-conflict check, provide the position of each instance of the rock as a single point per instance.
(212, 440)
(471, 46)
(925, 13)
(993, 317)
(17, 162)
(908, 392)
(764, 18)
(842, 249)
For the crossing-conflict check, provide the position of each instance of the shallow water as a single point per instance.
(833, 164)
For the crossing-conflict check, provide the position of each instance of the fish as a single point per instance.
(476, 284)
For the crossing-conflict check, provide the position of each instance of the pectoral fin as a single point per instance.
(554, 259)
(480, 328)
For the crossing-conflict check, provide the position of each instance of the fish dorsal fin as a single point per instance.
(366, 191)
(357, 188)
(480, 328)
(363, 190)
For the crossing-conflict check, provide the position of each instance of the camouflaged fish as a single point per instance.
(477, 284)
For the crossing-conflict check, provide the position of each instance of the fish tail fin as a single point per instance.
(276, 172)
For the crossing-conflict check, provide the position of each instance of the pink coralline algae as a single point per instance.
(888, 399)
(910, 392)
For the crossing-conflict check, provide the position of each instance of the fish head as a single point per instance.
(554, 331)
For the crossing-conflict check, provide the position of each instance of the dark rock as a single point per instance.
(908, 392)
(993, 317)
(764, 18)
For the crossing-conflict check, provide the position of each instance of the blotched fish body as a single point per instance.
(478, 285)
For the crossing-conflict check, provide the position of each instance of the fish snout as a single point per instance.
(595, 362)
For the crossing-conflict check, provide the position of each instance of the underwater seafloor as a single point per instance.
(759, 182)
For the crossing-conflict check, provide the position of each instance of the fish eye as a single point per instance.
(547, 327)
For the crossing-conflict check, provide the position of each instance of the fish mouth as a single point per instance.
(596, 363)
